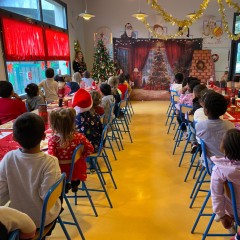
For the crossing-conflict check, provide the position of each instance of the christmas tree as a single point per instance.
(103, 66)
(159, 77)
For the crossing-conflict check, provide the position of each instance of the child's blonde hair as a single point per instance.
(77, 77)
(62, 122)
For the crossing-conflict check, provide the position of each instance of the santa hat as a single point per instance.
(83, 100)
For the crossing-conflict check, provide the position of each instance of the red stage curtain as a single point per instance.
(22, 41)
(174, 51)
(57, 45)
(141, 50)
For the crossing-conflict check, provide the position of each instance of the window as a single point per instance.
(60, 67)
(22, 73)
(28, 8)
(54, 13)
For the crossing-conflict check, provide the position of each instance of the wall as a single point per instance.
(75, 25)
(115, 14)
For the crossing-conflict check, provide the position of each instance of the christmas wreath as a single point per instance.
(215, 57)
(200, 65)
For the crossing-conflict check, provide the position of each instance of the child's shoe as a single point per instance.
(194, 148)
(217, 218)
(74, 184)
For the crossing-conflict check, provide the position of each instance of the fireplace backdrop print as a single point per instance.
(152, 63)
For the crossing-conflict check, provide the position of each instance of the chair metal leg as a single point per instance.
(193, 158)
(76, 196)
(201, 212)
(59, 219)
(199, 189)
(74, 218)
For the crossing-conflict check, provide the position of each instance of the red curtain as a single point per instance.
(57, 45)
(141, 50)
(23, 41)
(174, 51)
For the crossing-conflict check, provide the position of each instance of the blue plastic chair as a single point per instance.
(208, 170)
(82, 187)
(94, 159)
(14, 235)
(122, 123)
(170, 106)
(179, 133)
(174, 99)
(205, 171)
(111, 135)
(52, 196)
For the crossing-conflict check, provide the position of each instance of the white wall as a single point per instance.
(114, 14)
(75, 25)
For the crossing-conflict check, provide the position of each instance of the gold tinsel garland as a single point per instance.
(184, 24)
(233, 5)
(225, 23)
(174, 21)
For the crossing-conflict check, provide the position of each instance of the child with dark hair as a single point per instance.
(27, 173)
(63, 142)
(97, 99)
(177, 83)
(211, 131)
(226, 168)
(196, 97)
(107, 101)
(49, 86)
(122, 86)
(187, 98)
(33, 97)
(12, 219)
(11, 105)
(128, 83)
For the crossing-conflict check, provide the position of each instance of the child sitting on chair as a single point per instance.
(64, 141)
(27, 173)
(11, 105)
(97, 99)
(226, 168)
(107, 101)
(33, 97)
(211, 131)
(89, 124)
(11, 220)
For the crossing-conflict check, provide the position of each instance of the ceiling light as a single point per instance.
(86, 16)
(140, 15)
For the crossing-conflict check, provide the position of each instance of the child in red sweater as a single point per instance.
(11, 105)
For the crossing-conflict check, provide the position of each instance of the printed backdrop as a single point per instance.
(152, 63)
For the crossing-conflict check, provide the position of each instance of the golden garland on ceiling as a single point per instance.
(233, 5)
(174, 21)
(184, 24)
(225, 23)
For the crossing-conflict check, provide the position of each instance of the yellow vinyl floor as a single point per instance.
(152, 201)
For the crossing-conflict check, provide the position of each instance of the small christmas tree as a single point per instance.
(103, 66)
(159, 77)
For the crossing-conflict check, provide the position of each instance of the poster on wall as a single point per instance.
(152, 63)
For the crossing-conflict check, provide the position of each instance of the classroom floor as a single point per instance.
(152, 200)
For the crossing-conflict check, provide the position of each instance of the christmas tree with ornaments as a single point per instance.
(159, 78)
(103, 66)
